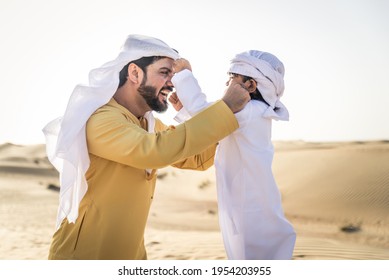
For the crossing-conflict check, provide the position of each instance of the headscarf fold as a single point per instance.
(268, 71)
(66, 145)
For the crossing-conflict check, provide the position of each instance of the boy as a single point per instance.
(251, 218)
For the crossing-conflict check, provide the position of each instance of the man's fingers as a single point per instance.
(236, 97)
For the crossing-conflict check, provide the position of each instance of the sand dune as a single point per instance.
(335, 194)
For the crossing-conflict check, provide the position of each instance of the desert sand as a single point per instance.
(335, 194)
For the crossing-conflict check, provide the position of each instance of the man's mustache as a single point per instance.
(168, 88)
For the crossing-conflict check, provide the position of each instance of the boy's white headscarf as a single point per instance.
(268, 71)
(65, 136)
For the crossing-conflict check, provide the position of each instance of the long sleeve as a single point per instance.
(110, 135)
(189, 92)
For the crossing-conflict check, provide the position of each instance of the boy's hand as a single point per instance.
(181, 64)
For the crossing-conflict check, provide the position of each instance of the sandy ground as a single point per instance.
(335, 194)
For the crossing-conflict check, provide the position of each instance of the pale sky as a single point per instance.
(335, 52)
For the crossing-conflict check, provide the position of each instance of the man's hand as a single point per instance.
(236, 97)
(175, 101)
(181, 64)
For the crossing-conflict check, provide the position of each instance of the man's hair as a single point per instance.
(142, 63)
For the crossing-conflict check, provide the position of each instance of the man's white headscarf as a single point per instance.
(65, 136)
(268, 71)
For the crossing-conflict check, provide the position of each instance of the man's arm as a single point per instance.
(111, 136)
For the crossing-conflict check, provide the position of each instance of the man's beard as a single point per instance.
(150, 95)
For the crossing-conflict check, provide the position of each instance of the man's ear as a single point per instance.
(135, 74)
(251, 85)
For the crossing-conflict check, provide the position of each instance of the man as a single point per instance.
(108, 146)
